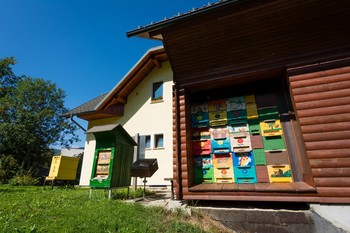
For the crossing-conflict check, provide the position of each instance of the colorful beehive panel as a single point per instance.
(279, 173)
(201, 134)
(237, 117)
(220, 145)
(259, 157)
(218, 118)
(200, 120)
(249, 99)
(202, 147)
(254, 126)
(217, 105)
(271, 128)
(274, 143)
(219, 133)
(268, 113)
(223, 168)
(262, 174)
(240, 143)
(276, 157)
(235, 103)
(239, 130)
(243, 159)
(199, 108)
(252, 111)
(245, 174)
(203, 170)
(257, 141)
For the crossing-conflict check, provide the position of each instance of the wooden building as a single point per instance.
(293, 56)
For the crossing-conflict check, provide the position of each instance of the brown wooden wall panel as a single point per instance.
(321, 102)
(331, 172)
(334, 118)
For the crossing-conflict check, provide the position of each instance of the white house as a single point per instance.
(142, 103)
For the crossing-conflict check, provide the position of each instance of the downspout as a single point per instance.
(81, 127)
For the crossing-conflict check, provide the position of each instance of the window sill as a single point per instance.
(157, 101)
(159, 148)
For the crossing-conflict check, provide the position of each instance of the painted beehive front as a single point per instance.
(270, 128)
(241, 143)
(220, 145)
(202, 147)
(223, 168)
(218, 118)
(204, 172)
(279, 173)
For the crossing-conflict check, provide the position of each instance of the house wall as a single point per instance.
(143, 117)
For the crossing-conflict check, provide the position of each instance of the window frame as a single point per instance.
(155, 87)
(156, 141)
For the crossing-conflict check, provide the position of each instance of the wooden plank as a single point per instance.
(230, 187)
(334, 192)
(331, 102)
(326, 136)
(340, 126)
(324, 78)
(323, 111)
(333, 118)
(318, 74)
(322, 95)
(328, 154)
(336, 144)
(332, 182)
(331, 172)
(215, 187)
(322, 88)
(330, 163)
(246, 188)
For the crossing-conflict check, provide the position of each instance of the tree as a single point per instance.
(30, 120)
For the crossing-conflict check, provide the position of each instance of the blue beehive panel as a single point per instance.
(243, 159)
(220, 146)
(245, 174)
(200, 120)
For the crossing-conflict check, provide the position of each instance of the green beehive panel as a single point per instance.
(274, 143)
(259, 157)
(204, 175)
(254, 126)
(268, 113)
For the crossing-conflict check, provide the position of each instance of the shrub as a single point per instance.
(23, 180)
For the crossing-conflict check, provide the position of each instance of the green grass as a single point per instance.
(34, 209)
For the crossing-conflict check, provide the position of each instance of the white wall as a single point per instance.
(339, 215)
(145, 118)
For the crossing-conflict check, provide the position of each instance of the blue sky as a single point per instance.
(80, 45)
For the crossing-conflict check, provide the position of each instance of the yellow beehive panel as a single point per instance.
(252, 111)
(270, 128)
(63, 168)
(279, 173)
(249, 99)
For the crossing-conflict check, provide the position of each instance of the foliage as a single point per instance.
(30, 119)
(23, 180)
(123, 193)
(33, 209)
(8, 167)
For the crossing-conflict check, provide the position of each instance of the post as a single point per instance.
(136, 154)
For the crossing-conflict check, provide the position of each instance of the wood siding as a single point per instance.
(260, 35)
(322, 105)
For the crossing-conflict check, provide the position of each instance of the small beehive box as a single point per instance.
(238, 130)
(220, 145)
(63, 168)
(240, 143)
(249, 99)
(200, 120)
(268, 113)
(275, 157)
(262, 174)
(217, 118)
(201, 134)
(219, 133)
(203, 170)
(259, 157)
(223, 168)
(254, 126)
(243, 159)
(274, 143)
(257, 141)
(270, 128)
(235, 103)
(252, 111)
(245, 174)
(199, 108)
(217, 105)
(279, 173)
(202, 147)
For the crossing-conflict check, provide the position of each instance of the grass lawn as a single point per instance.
(34, 209)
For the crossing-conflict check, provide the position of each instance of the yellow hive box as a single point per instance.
(223, 168)
(249, 99)
(279, 173)
(63, 168)
(252, 111)
(270, 128)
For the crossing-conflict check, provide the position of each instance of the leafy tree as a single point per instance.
(30, 119)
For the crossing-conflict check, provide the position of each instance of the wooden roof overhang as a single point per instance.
(232, 40)
(112, 104)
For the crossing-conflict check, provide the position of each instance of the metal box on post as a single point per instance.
(63, 168)
(113, 157)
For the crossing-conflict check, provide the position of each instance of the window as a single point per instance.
(148, 141)
(158, 141)
(157, 91)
